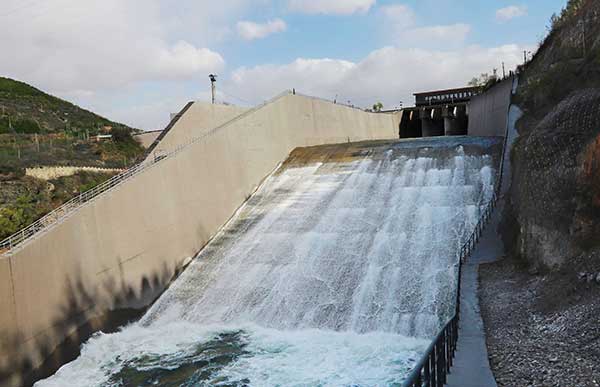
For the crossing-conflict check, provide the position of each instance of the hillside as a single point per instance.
(37, 129)
(541, 304)
(33, 111)
(556, 188)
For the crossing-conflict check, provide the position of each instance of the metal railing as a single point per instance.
(434, 366)
(65, 210)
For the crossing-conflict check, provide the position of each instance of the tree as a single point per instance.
(483, 80)
(377, 107)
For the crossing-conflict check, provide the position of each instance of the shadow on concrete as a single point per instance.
(79, 320)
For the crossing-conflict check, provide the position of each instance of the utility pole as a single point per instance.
(524, 56)
(503, 71)
(213, 80)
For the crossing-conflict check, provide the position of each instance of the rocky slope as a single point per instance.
(554, 211)
(541, 303)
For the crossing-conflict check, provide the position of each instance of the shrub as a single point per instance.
(26, 125)
(18, 215)
(4, 125)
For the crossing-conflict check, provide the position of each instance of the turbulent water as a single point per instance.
(333, 274)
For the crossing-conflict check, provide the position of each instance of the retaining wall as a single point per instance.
(49, 173)
(121, 249)
(488, 112)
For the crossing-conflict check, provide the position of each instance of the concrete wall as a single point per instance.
(146, 139)
(488, 112)
(121, 249)
(197, 120)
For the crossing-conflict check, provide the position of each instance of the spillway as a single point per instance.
(337, 271)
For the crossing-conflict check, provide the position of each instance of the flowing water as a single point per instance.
(334, 273)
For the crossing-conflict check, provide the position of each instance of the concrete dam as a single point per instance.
(296, 243)
(337, 271)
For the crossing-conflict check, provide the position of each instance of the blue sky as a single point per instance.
(138, 60)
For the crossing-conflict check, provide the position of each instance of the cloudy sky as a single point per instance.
(136, 61)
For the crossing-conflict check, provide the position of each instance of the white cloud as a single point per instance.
(511, 12)
(139, 60)
(389, 74)
(98, 45)
(338, 7)
(400, 24)
(250, 30)
(400, 16)
(450, 35)
(318, 76)
(182, 60)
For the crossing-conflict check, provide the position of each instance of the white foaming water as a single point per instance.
(337, 274)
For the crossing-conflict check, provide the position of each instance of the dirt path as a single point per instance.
(542, 330)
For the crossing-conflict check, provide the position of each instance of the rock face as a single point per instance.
(555, 193)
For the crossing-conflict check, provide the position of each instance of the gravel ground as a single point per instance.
(542, 330)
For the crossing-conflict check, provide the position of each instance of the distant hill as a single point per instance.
(37, 129)
(32, 111)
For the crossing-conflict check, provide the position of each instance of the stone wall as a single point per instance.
(49, 173)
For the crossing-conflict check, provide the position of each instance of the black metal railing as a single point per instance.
(434, 366)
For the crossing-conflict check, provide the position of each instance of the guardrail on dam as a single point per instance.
(119, 248)
(492, 116)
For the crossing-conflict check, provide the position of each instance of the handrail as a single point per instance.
(66, 209)
(434, 366)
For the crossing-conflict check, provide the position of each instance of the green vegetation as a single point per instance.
(568, 59)
(566, 15)
(20, 101)
(377, 107)
(31, 198)
(484, 81)
(17, 215)
(37, 129)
